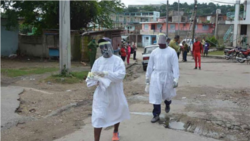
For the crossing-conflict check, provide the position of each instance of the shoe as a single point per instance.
(155, 119)
(200, 68)
(167, 109)
(115, 137)
(195, 68)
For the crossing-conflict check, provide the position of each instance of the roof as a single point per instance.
(96, 32)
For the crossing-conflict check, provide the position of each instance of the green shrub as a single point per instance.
(212, 41)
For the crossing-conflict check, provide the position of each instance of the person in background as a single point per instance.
(162, 77)
(92, 47)
(185, 51)
(117, 51)
(128, 53)
(203, 42)
(168, 41)
(206, 48)
(110, 105)
(175, 44)
(197, 50)
(135, 48)
(123, 53)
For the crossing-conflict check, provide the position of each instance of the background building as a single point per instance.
(239, 32)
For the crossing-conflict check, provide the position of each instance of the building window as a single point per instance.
(159, 26)
(172, 26)
(146, 26)
(205, 27)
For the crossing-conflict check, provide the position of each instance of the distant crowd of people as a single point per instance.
(197, 48)
(125, 51)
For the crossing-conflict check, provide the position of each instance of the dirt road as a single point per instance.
(212, 102)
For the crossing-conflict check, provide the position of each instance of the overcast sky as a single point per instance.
(129, 2)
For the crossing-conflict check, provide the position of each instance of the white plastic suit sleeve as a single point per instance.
(104, 83)
(175, 67)
(150, 66)
(118, 74)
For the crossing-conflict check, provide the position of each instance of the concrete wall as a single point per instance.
(9, 40)
(222, 29)
(33, 45)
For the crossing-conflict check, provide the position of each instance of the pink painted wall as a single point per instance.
(183, 26)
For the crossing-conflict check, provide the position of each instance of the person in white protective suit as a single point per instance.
(162, 77)
(110, 106)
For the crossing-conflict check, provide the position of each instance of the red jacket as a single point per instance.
(197, 47)
(123, 52)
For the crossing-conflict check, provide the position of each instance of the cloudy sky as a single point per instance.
(128, 2)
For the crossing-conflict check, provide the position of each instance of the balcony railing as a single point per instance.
(230, 16)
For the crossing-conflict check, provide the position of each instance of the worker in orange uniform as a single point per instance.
(197, 50)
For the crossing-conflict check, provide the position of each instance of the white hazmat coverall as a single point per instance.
(163, 68)
(109, 105)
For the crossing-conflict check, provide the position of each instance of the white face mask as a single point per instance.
(106, 49)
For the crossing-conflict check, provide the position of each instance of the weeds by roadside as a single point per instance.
(216, 53)
(26, 71)
(71, 78)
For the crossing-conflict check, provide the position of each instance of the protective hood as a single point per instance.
(162, 41)
(106, 49)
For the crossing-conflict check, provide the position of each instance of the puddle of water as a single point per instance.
(176, 125)
(173, 124)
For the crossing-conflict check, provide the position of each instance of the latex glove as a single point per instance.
(175, 83)
(101, 74)
(93, 76)
(147, 88)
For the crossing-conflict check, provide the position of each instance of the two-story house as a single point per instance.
(239, 32)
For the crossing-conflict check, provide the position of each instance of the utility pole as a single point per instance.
(178, 17)
(218, 11)
(194, 20)
(167, 19)
(64, 39)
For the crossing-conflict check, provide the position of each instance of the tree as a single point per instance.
(45, 14)
(105, 8)
(131, 9)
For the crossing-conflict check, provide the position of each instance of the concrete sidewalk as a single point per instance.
(137, 128)
(9, 104)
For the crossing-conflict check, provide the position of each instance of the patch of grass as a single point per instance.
(26, 71)
(73, 77)
(216, 53)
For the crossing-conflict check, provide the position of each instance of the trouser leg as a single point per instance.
(128, 57)
(167, 103)
(134, 55)
(157, 110)
(91, 61)
(185, 56)
(199, 59)
(195, 59)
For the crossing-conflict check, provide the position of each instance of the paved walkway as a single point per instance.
(9, 104)
(138, 128)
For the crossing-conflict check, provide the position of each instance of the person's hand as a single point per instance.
(175, 85)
